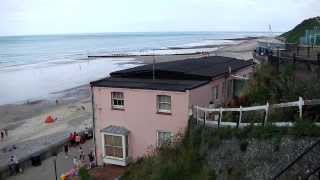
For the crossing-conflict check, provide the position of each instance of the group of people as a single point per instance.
(76, 139)
(3, 133)
(82, 160)
(79, 138)
(81, 156)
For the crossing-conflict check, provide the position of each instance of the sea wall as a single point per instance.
(257, 159)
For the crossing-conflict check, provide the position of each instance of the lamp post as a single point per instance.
(55, 165)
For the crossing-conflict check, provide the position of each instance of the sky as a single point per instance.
(27, 17)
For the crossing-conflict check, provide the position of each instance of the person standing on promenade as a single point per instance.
(78, 139)
(86, 133)
(66, 149)
(71, 139)
(14, 165)
(91, 160)
(81, 152)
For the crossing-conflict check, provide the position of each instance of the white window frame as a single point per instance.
(158, 104)
(161, 131)
(114, 106)
(124, 146)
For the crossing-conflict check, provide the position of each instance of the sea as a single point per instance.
(35, 67)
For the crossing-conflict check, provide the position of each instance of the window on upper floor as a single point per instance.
(164, 103)
(117, 100)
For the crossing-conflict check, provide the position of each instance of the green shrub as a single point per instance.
(84, 174)
(305, 128)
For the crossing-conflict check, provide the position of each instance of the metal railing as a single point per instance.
(197, 110)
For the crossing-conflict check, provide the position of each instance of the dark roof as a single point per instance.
(157, 84)
(208, 67)
(173, 76)
(115, 130)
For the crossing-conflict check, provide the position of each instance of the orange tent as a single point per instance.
(49, 119)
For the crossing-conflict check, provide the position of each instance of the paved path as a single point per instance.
(46, 170)
(25, 149)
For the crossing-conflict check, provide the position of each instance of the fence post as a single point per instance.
(240, 117)
(301, 103)
(267, 114)
(205, 118)
(197, 112)
(220, 117)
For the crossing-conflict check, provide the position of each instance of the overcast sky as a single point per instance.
(19, 17)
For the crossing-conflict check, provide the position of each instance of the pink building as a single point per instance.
(138, 109)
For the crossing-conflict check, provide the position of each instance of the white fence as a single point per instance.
(265, 108)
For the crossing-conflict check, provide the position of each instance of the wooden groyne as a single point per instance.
(146, 55)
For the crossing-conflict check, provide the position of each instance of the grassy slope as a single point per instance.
(186, 160)
(293, 35)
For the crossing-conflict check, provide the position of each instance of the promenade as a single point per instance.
(46, 169)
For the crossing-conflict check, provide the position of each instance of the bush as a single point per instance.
(305, 128)
(269, 85)
(84, 174)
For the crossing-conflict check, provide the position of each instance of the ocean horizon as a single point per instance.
(35, 66)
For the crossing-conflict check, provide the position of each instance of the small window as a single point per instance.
(164, 103)
(163, 138)
(113, 146)
(215, 92)
(117, 100)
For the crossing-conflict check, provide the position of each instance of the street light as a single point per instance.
(55, 164)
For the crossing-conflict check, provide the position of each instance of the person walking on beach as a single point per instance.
(5, 132)
(2, 134)
(81, 152)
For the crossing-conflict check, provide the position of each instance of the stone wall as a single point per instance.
(256, 159)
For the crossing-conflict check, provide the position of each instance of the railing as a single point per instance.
(265, 108)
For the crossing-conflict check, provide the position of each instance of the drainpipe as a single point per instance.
(94, 125)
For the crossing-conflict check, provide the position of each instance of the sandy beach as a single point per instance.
(25, 121)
